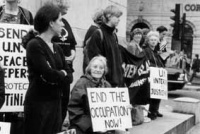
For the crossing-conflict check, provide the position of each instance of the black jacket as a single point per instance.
(2, 88)
(44, 67)
(153, 57)
(79, 113)
(108, 48)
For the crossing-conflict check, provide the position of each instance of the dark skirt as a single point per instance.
(43, 117)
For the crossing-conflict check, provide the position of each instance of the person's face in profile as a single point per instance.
(57, 25)
(163, 34)
(114, 20)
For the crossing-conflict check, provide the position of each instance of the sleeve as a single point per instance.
(79, 107)
(40, 65)
(31, 18)
(95, 45)
(2, 88)
(72, 38)
(66, 67)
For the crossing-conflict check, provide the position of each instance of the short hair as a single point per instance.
(161, 29)
(111, 11)
(196, 55)
(62, 4)
(98, 16)
(47, 13)
(100, 58)
(153, 33)
(136, 31)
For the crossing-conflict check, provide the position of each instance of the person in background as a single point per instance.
(172, 61)
(79, 112)
(162, 44)
(48, 72)
(2, 86)
(134, 46)
(108, 46)
(195, 67)
(11, 12)
(143, 40)
(98, 20)
(155, 61)
(67, 42)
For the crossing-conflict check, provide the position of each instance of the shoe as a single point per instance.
(147, 119)
(159, 114)
(152, 116)
(189, 83)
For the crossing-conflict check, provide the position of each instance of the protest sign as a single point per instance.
(109, 108)
(158, 83)
(5, 127)
(13, 60)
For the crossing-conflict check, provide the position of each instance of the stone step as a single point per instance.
(170, 123)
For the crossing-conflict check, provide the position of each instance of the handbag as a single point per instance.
(137, 115)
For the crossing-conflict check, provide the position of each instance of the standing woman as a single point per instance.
(134, 46)
(11, 12)
(48, 71)
(155, 61)
(108, 46)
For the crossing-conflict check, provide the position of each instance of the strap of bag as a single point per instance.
(101, 36)
(25, 14)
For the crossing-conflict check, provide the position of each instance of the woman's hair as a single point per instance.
(30, 35)
(47, 13)
(98, 16)
(153, 33)
(111, 11)
(161, 29)
(100, 58)
(134, 32)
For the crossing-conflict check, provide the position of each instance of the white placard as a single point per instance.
(5, 127)
(109, 108)
(13, 60)
(158, 83)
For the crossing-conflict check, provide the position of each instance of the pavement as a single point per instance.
(192, 90)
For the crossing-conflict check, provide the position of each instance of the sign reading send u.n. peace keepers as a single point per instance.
(13, 60)
(109, 108)
(158, 83)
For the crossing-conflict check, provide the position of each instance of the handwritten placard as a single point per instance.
(13, 60)
(158, 83)
(5, 127)
(109, 108)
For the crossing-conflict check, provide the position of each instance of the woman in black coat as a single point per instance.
(79, 112)
(155, 61)
(48, 72)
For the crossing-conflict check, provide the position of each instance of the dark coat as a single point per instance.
(44, 67)
(79, 114)
(153, 57)
(2, 88)
(109, 48)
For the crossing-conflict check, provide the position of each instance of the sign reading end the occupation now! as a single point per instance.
(109, 108)
(13, 60)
